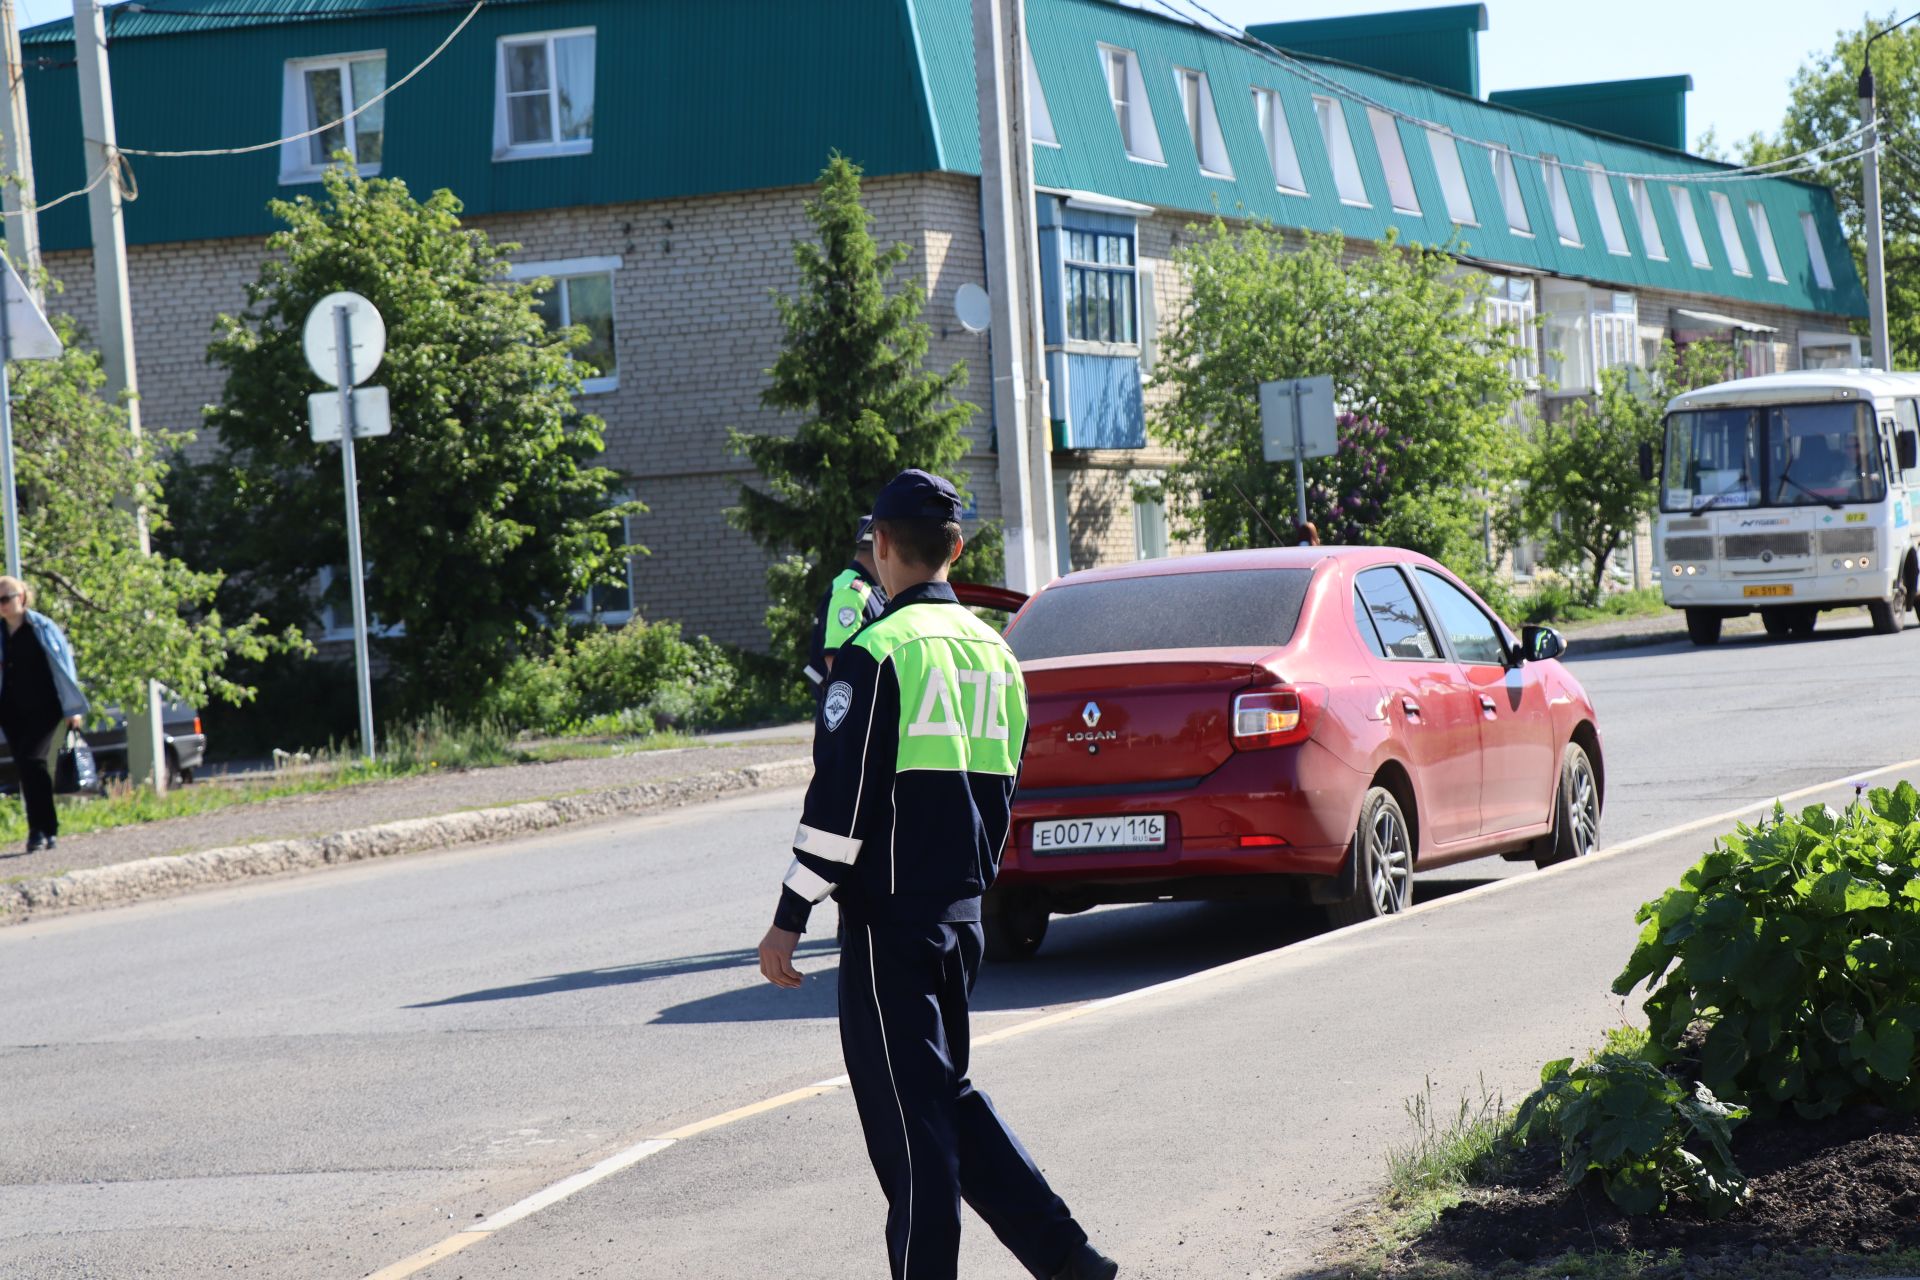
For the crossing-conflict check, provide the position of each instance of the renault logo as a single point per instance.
(1091, 714)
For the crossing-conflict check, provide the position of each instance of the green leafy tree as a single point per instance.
(1823, 107)
(1414, 363)
(131, 616)
(483, 514)
(1581, 490)
(853, 371)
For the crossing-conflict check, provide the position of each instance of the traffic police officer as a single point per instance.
(916, 751)
(854, 599)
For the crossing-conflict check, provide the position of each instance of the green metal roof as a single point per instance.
(1434, 46)
(133, 19)
(697, 98)
(1652, 110)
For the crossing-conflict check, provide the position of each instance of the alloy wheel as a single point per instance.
(1583, 806)
(1389, 862)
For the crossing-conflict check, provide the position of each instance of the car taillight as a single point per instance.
(1276, 717)
(196, 724)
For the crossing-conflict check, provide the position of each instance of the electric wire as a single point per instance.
(1785, 166)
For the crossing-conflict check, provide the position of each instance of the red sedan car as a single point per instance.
(1312, 721)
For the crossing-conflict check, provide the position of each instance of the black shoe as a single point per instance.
(35, 842)
(50, 842)
(1088, 1263)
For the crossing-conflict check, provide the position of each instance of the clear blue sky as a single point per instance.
(1741, 53)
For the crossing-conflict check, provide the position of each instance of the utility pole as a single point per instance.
(1874, 232)
(1023, 436)
(16, 154)
(113, 323)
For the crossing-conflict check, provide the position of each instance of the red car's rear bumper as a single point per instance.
(1220, 825)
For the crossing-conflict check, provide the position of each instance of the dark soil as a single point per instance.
(1850, 1183)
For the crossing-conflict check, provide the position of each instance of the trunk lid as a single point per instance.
(1156, 717)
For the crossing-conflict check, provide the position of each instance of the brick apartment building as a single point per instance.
(654, 157)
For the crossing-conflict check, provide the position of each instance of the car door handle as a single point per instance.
(1411, 707)
(1489, 706)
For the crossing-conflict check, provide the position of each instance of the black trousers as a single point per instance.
(31, 742)
(933, 1138)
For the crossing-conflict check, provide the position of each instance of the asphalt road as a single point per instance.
(320, 1076)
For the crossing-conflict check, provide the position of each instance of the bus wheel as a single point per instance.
(1778, 622)
(1703, 626)
(1804, 620)
(1890, 615)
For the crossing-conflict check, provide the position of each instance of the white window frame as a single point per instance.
(296, 165)
(1817, 338)
(1204, 132)
(1502, 308)
(563, 269)
(1730, 233)
(1689, 220)
(1271, 114)
(1393, 158)
(1150, 515)
(1611, 228)
(1453, 178)
(1647, 220)
(1816, 252)
(1138, 134)
(1039, 118)
(1763, 236)
(1347, 180)
(610, 617)
(1593, 329)
(502, 148)
(1506, 180)
(1564, 223)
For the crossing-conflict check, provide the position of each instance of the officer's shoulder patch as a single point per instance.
(838, 702)
(847, 615)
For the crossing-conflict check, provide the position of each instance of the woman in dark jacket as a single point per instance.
(39, 699)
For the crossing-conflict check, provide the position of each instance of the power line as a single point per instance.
(368, 105)
(1786, 166)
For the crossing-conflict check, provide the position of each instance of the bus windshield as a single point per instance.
(1791, 455)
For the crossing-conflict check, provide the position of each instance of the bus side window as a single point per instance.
(1906, 440)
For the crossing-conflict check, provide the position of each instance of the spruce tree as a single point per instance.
(853, 369)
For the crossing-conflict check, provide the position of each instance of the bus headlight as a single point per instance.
(1676, 571)
(1863, 562)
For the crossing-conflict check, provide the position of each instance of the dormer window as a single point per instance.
(1453, 179)
(1730, 234)
(1649, 224)
(1203, 123)
(1346, 167)
(1279, 139)
(1128, 93)
(1506, 178)
(1393, 158)
(1562, 201)
(1690, 227)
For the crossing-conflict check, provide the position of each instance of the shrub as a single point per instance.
(645, 675)
(1621, 1117)
(1796, 945)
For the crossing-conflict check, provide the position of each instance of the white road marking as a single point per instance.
(650, 1146)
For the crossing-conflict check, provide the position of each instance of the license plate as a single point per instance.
(1076, 835)
(1783, 589)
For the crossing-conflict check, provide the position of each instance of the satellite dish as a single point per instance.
(973, 308)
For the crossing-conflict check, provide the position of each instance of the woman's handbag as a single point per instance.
(75, 768)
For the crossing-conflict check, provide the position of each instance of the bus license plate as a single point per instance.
(1783, 589)
(1076, 835)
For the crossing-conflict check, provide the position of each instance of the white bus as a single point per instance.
(1788, 494)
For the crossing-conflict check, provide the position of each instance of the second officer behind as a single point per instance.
(855, 599)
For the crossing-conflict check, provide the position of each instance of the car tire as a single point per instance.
(176, 776)
(1890, 615)
(1576, 810)
(1703, 626)
(1015, 925)
(1778, 622)
(1383, 852)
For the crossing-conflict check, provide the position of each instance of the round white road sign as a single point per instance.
(320, 338)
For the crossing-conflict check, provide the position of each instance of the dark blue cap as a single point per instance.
(916, 495)
(863, 534)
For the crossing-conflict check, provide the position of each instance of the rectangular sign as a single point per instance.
(1784, 589)
(1084, 835)
(1319, 431)
(371, 416)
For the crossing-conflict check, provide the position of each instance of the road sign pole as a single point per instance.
(12, 499)
(343, 328)
(1299, 452)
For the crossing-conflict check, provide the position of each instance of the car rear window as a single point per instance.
(1233, 608)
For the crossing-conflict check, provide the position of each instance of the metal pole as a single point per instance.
(343, 338)
(1873, 232)
(23, 220)
(146, 755)
(6, 436)
(1025, 255)
(1020, 520)
(1299, 453)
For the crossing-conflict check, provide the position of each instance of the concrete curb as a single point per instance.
(128, 882)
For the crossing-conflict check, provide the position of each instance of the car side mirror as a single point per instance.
(1538, 643)
(1907, 445)
(1646, 462)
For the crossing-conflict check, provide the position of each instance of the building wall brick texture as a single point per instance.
(696, 330)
